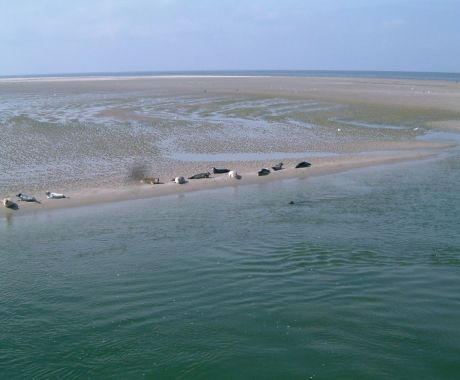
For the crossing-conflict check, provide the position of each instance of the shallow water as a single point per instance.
(355, 123)
(358, 279)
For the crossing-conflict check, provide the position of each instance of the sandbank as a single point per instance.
(320, 166)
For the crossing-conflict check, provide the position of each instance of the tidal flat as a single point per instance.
(89, 135)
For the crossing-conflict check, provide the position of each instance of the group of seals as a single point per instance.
(179, 180)
(265, 171)
(8, 203)
(231, 173)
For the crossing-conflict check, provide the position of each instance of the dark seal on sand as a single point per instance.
(303, 164)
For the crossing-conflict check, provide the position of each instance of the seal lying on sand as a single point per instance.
(51, 195)
(278, 167)
(303, 164)
(8, 203)
(200, 175)
(220, 171)
(179, 180)
(263, 171)
(27, 198)
(234, 174)
(151, 180)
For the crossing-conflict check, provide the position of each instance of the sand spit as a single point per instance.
(248, 171)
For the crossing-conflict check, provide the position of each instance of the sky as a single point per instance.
(83, 36)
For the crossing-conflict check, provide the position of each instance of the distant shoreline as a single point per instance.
(404, 75)
(111, 78)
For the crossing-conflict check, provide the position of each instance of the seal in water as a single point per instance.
(263, 171)
(200, 175)
(303, 164)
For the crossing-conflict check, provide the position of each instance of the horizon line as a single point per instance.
(131, 72)
(113, 75)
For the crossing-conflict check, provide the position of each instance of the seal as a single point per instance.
(263, 171)
(180, 180)
(234, 174)
(51, 195)
(220, 171)
(303, 164)
(27, 198)
(8, 203)
(200, 176)
(278, 167)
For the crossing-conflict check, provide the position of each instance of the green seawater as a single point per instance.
(359, 279)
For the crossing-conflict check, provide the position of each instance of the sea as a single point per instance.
(418, 75)
(353, 275)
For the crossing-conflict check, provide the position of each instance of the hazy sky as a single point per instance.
(59, 36)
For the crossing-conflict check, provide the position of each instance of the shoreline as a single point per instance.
(443, 76)
(102, 195)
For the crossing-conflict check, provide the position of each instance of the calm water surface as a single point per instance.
(359, 279)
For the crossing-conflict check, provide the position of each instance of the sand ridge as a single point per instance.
(320, 166)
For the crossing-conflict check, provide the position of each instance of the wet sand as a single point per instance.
(404, 93)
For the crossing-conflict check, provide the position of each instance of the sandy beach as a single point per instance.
(85, 136)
